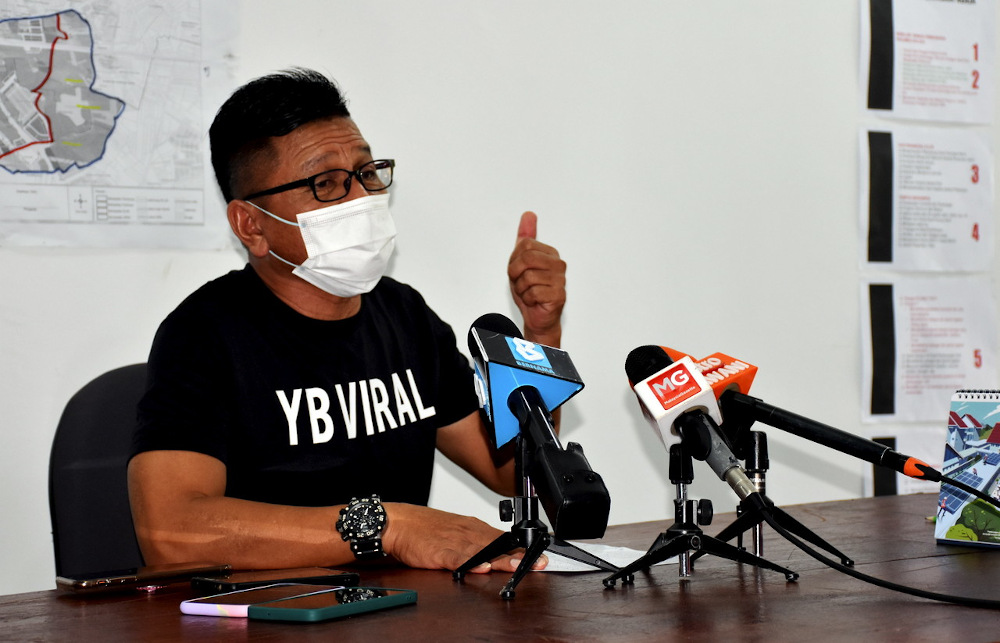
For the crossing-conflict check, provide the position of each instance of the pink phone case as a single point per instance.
(236, 604)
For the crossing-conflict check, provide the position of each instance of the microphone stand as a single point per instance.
(685, 535)
(527, 532)
(756, 465)
(753, 450)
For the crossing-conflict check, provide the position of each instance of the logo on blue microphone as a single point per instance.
(529, 355)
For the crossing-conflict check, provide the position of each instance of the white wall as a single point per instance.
(695, 164)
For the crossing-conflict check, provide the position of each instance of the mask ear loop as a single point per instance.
(274, 216)
(283, 260)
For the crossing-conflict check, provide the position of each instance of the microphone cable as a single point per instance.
(829, 562)
(952, 482)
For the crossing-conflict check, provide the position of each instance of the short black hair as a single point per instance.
(266, 107)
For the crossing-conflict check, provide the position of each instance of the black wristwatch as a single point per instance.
(361, 523)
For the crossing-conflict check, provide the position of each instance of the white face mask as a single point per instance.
(348, 245)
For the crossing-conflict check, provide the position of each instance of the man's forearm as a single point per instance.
(244, 534)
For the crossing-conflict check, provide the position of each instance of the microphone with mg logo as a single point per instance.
(679, 403)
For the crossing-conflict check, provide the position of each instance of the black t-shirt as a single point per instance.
(302, 411)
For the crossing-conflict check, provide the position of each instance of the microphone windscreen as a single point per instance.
(645, 361)
(497, 323)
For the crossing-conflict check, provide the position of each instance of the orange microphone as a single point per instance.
(722, 372)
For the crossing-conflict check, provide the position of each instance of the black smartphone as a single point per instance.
(149, 577)
(258, 578)
(337, 603)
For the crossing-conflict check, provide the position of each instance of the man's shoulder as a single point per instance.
(236, 279)
(391, 285)
(224, 293)
(400, 305)
(392, 291)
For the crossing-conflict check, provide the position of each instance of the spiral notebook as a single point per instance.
(971, 456)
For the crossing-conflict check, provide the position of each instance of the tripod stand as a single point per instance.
(528, 531)
(750, 516)
(685, 535)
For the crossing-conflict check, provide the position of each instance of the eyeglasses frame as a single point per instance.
(311, 182)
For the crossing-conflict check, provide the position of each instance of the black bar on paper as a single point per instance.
(883, 333)
(880, 164)
(883, 478)
(880, 63)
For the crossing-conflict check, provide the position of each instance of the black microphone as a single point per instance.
(741, 407)
(677, 400)
(519, 382)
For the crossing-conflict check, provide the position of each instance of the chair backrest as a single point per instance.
(88, 488)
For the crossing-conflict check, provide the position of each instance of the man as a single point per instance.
(294, 407)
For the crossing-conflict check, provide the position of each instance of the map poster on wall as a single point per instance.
(929, 59)
(104, 109)
(926, 199)
(925, 339)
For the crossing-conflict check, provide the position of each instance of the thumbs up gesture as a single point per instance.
(537, 283)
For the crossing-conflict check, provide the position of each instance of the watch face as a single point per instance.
(367, 520)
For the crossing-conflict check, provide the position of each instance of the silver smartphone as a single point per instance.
(149, 577)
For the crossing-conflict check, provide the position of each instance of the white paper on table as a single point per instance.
(617, 556)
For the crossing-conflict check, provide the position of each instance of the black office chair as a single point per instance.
(88, 490)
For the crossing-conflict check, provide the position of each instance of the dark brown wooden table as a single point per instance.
(889, 537)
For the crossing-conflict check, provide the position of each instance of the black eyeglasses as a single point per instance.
(333, 185)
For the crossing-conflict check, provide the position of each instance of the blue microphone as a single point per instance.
(519, 383)
(505, 362)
